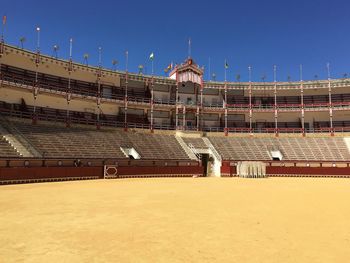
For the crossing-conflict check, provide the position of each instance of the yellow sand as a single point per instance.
(177, 220)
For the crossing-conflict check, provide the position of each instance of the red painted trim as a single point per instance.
(277, 170)
(23, 173)
(154, 170)
(16, 173)
(227, 170)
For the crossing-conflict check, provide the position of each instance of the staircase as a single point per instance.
(194, 150)
(184, 146)
(347, 142)
(17, 141)
(212, 149)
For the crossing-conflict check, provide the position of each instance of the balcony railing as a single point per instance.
(115, 123)
(21, 81)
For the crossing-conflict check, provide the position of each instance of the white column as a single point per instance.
(70, 69)
(152, 103)
(184, 117)
(302, 100)
(275, 98)
(330, 99)
(126, 92)
(176, 107)
(250, 100)
(226, 128)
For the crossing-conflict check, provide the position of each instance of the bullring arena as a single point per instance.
(177, 220)
(164, 169)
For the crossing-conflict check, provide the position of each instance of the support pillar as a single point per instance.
(36, 85)
(250, 101)
(126, 92)
(184, 117)
(68, 117)
(302, 108)
(330, 101)
(68, 93)
(330, 108)
(201, 106)
(225, 106)
(275, 100)
(176, 107)
(152, 104)
(302, 101)
(2, 49)
(126, 103)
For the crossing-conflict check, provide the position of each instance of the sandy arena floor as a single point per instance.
(177, 220)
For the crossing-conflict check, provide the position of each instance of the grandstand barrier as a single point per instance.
(295, 169)
(16, 171)
(53, 117)
(12, 175)
(228, 170)
(113, 172)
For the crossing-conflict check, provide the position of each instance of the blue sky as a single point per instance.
(258, 33)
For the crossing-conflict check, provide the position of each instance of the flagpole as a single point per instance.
(38, 39)
(70, 48)
(2, 44)
(100, 57)
(4, 18)
(189, 48)
(225, 65)
(152, 68)
(127, 60)
(209, 77)
(328, 71)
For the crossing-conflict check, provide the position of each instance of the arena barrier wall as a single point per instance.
(9, 175)
(36, 173)
(157, 171)
(227, 170)
(308, 171)
(295, 169)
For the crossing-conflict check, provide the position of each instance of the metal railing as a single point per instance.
(80, 92)
(115, 123)
(212, 149)
(194, 150)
